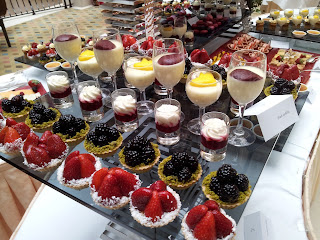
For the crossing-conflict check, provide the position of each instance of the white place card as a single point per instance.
(275, 113)
(279, 44)
(193, 20)
(256, 226)
(312, 95)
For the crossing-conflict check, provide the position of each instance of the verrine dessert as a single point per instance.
(166, 30)
(180, 27)
(189, 38)
(304, 12)
(297, 19)
(288, 13)
(89, 65)
(274, 13)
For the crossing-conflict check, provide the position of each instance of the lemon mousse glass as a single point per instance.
(139, 73)
(203, 88)
(274, 13)
(288, 13)
(304, 12)
(313, 20)
(296, 20)
(89, 65)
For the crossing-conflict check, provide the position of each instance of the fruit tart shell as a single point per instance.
(77, 184)
(144, 168)
(104, 151)
(44, 126)
(53, 164)
(78, 138)
(13, 148)
(20, 116)
(173, 182)
(243, 197)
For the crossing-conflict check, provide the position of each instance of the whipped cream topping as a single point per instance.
(168, 115)
(58, 83)
(124, 105)
(26, 48)
(89, 94)
(51, 45)
(215, 128)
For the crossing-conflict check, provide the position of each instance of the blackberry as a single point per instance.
(15, 109)
(92, 137)
(184, 175)
(291, 85)
(101, 129)
(188, 66)
(67, 119)
(274, 90)
(71, 132)
(56, 128)
(215, 67)
(242, 182)
(6, 105)
(37, 119)
(229, 193)
(281, 83)
(49, 114)
(168, 169)
(226, 174)
(79, 124)
(223, 74)
(102, 141)
(149, 153)
(38, 107)
(192, 164)
(25, 103)
(215, 185)
(179, 159)
(32, 113)
(35, 89)
(137, 143)
(132, 158)
(17, 100)
(113, 134)
(285, 91)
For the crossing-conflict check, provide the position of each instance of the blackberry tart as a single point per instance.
(103, 141)
(282, 87)
(17, 108)
(139, 155)
(72, 130)
(227, 187)
(180, 171)
(41, 118)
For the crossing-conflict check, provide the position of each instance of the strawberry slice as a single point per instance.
(223, 224)
(204, 57)
(195, 215)
(87, 167)
(45, 136)
(37, 156)
(71, 155)
(55, 146)
(109, 187)
(31, 140)
(11, 135)
(144, 45)
(126, 180)
(206, 228)
(87, 156)
(72, 169)
(45, 147)
(212, 205)
(22, 129)
(3, 134)
(154, 208)
(125, 41)
(150, 45)
(168, 201)
(141, 197)
(98, 178)
(10, 122)
(158, 186)
(196, 56)
(225, 60)
(280, 69)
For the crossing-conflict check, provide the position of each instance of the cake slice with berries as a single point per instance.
(41, 118)
(103, 141)
(139, 155)
(72, 130)
(76, 171)
(180, 171)
(17, 108)
(155, 206)
(111, 188)
(208, 222)
(227, 187)
(45, 153)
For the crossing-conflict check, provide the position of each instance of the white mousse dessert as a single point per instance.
(167, 115)
(88, 64)
(59, 86)
(124, 105)
(68, 46)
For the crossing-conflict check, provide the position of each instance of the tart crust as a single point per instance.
(178, 185)
(20, 116)
(104, 153)
(46, 125)
(141, 169)
(75, 140)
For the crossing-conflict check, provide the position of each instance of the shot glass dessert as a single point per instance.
(214, 136)
(90, 98)
(60, 89)
(167, 118)
(124, 105)
(189, 38)
(166, 30)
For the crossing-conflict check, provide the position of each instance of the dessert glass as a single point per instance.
(109, 51)
(189, 38)
(317, 11)
(245, 81)
(274, 13)
(208, 7)
(219, 9)
(288, 13)
(124, 105)
(90, 99)
(67, 43)
(166, 30)
(88, 64)
(60, 89)
(203, 88)
(139, 73)
(313, 20)
(196, 7)
(297, 19)
(167, 114)
(180, 27)
(304, 12)
(233, 10)
(214, 136)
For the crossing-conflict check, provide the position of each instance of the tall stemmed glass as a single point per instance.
(67, 42)
(168, 62)
(245, 81)
(109, 51)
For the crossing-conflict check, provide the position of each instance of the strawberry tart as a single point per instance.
(45, 153)
(208, 222)
(111, 188)
(200, 58)
(76, 171)
(155, 206)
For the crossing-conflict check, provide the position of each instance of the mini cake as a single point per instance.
(103, 141)
(70, 129)
(76, 171)
(259, 25)
(41, 48)
(272, 24)
(12, 136)
(155, 206)
(26, 49)
(140, 155)
(208, 222)
(43, 154)
(111, 188)
(180, 171)
(227, 187)
(17, 107)
(42, 118)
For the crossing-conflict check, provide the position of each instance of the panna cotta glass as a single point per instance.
(167, 114)
(313, 20)
(189, 38)
(304, 12)
(219, 9)
(90, 99)
(275, 13)
(282, 21)
(203, 88)
(124, 105)
(180, 27)
(297, 19)
(245, 81)
(214, 136)
(109, 51)
(196, 5)
(88, 64)
(139, 73)
(317, 11)
(166, 30)
(60, 89)
(233, 11)
(288, 13)
(168, 62)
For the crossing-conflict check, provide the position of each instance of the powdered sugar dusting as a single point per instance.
(166, 217)
(11, 148)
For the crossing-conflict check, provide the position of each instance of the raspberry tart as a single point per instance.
(76, 171)
(71, 129)
(139, 155)
(111, 188)
(227, 187)
(103, 141)
(17, 108)
(208, 222)
(155, 206)
(41, 118)
(180, 171)
(45, 153)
